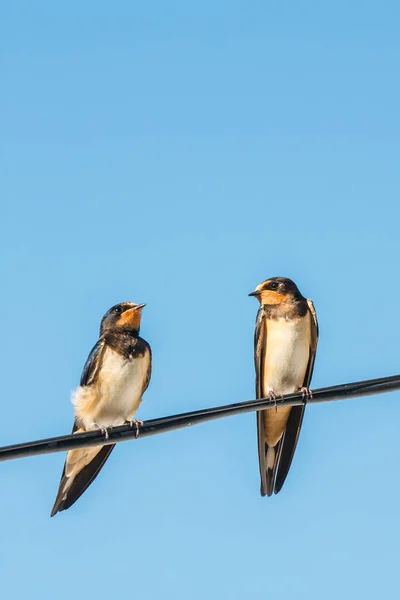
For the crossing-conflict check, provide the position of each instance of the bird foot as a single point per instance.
(306, 393)
(135, 423)
(104, 431)
(273, 396)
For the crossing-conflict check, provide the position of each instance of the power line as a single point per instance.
(157, 426)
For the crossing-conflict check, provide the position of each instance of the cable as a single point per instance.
(157, 426)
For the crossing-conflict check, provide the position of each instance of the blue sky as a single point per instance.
(178, 154)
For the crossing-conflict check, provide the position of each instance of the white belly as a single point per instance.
(115, 396)
(287, 355)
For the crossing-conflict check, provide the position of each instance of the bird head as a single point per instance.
(276, 290)
(124, 317)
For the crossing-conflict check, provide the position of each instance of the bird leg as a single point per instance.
(104, 431)
(272, 396)
(135, 423)
(306, 393)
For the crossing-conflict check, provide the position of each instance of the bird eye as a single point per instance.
(273, 285)
(117, 309)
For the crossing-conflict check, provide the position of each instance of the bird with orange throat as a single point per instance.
(285, 345)
(115, 376)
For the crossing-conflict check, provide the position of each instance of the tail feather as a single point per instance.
(270, 458)
(71, 488)
(271, 463)
(288, 445)
(269, 471)
(275, 461)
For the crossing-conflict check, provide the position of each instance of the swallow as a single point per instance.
(114, 378)
(285, 344)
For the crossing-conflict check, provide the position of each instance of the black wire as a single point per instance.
(157, 426)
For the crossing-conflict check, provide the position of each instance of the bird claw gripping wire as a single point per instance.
(273, 396)
(306, 393)
(137, 424)
(104, 431)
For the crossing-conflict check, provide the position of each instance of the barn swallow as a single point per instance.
(285, 344)
(116, 374)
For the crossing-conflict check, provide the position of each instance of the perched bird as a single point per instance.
(285, 344)
(116, 374)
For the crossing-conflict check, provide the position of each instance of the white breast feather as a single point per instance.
(115, 396)
(287, 355)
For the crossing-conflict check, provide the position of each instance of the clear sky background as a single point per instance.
(178, 153)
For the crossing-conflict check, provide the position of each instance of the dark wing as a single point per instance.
(148, 375)
(260, 346)
(93, 363)
(288, 443)
(88, 461)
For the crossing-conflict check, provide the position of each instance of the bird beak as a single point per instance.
(139, 306)
(255, 293)
(135, 308)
